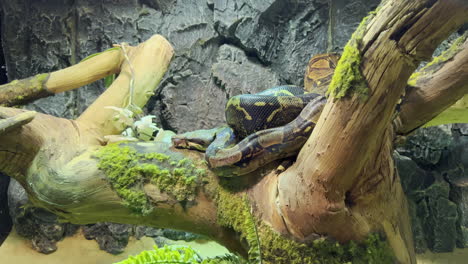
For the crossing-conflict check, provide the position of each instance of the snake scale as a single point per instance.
(266, 126)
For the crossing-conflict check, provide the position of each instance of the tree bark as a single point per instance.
(345, 172)
(343, 185)
(435, 89)
(47, 84)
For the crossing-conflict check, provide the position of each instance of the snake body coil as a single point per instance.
(265, 146)
(266, 126)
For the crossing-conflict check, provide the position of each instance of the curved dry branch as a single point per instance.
(150, 61)
(435, 89)
(19, 120)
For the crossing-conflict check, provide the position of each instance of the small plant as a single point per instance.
(178, 255)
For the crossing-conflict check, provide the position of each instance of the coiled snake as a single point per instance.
(266, 126)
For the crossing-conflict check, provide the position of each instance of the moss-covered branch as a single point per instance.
(25, 90)
(145, 183)
(268, 246)
(42, 85)
(135, 169)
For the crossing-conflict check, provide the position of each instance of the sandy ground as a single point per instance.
(76, 249)
(459, 256)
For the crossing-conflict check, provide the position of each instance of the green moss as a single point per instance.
(270, 247)
(347, 78)
(183, 162)
(42, 77)
(234, 212)
(451, 115)
(156, 156)
(39, 80)
(128, 171)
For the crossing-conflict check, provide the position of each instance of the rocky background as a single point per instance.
(222, 48)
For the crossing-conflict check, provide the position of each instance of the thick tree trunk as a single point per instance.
(343, 186)
(345, 173)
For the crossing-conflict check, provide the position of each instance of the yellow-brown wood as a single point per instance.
(85, 72)
(42, 85)
(436, 91)
(11, 123)
(150, 61)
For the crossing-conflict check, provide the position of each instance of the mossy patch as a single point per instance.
(347, 78)
(39, 81)
(234, 212)
(128, 171)
(270, 247)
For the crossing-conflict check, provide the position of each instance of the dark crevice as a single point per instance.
(164, 6)
(72, 20)
(165, 124)
(413, 19)
(251, 54)
(349, 202)
(5, 219)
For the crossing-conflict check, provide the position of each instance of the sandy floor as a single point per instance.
(459, 256)
(77, 249)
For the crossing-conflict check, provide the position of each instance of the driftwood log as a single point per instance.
(343, 185)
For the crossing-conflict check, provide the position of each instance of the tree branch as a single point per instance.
(435, 88)
(42, 85)
(150, 61)
(60, 169)
(11, 123)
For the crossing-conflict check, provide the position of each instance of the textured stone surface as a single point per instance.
(277, 36)
(36, 224)
(5, 220)
(435, 217)
(439, 217)
(414, 179)
(428, 145)
(435, 180)
(179, 235)
(455, 171)
(112, 238)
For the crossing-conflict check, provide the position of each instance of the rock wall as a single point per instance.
(433, 166)
(222, 48)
